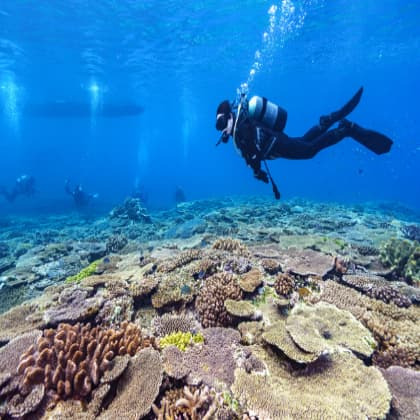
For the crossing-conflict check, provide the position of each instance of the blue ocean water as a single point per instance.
(178, 60)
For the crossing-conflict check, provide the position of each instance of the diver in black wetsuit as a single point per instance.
(81, 198)
(24, 185)
(257, 130)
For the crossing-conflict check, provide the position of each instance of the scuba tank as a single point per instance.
(267, 114)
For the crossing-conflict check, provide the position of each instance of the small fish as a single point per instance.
(185, 289)
(106, 260)
(360, 171)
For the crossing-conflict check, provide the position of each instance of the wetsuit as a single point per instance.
(257, 143)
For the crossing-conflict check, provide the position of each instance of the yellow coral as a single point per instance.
(181, 340)
(85, 272)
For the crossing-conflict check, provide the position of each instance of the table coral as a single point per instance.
(342, 387)
(137, 388)
(324, 327)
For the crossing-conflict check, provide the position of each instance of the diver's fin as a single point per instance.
(377, 142)
(328, 120)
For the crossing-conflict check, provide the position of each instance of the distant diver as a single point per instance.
(63, 109)
(81, 198)
(179, 195)
(139, 192)
(24, 185)
(257, 125)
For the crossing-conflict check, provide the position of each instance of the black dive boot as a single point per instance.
(326, 121)
(377, 142)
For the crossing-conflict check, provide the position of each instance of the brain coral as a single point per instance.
(210, 300)
(342, 389)
(322, 327)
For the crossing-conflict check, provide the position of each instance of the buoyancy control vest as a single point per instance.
(267, 113)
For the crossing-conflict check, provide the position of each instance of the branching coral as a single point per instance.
(231, 245)
(210, 300)
(285, 284)
(71, 360)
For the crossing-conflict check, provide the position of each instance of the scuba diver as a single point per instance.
(81, 198)
(139, 192)
(257, 125)
(24, 185)
(179, 195)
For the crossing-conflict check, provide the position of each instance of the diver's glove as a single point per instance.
(261, 175)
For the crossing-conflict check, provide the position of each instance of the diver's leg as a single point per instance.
(327, 121)
(374, 141)
(298, 148)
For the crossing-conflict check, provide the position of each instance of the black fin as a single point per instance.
(377, 142)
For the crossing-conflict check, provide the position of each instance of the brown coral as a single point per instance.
(71, 360)
(284, 284)
(171, 323)
(231, 245)
(271, 266)
(250, 281)
(183, 259)
(210, 300)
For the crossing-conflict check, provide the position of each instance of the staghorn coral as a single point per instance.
(250, 281)
(71, 360)
(284, 284)
(324, 327)
(405, 389)
(210, 300)
(183, 259)
(137, 388)
(233, 246)
(378, 288)
(271, 266)
(277, 335)
(171, 323)
(341, 387)
(240, 308)
(181, 340)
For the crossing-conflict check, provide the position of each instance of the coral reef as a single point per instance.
(210, 300)
(240, 308)
(231, 245)
(132, 210)
(405, 389)
(250, 281)
(271, 266)
(323, 327)
(183, 259)
(137, 388)
(71, 360)
(181, 340)
(284, 284)
(378, 288)
(116, 243)
(172, 323)
(411, 232)
(86, 272)
(342, 387)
